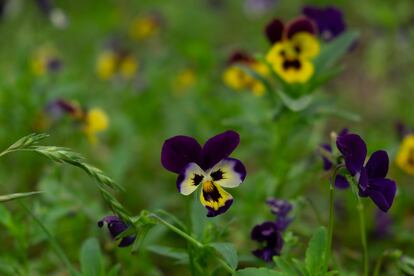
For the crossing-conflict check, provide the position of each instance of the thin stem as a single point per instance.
(177, 231)
(378, 265)
(331, 215)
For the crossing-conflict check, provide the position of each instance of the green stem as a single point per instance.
(378, 265)
(331, 216)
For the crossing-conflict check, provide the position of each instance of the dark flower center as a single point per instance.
(217, 175)
(295, 64)
(210, 192)
(197, 179)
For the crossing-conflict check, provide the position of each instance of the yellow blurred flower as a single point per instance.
(144, 27)
(291, 58)
(45, 59)
(184, 80)
(111, 63)
(95, 121)
(237, 79)
(405, 156)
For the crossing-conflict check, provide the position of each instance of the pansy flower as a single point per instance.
(237, 79)
(371, 176)
(270, 233)
(293, 48)
(115, 62)
(45, 60)
(208, 166)
(144, 27)
(405, 156)
(95, 121)
(329, 21)
(184, 80)
(116, 226)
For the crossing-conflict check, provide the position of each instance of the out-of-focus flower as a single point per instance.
(371, 177)
(293, 48)
(382, 224)
(340, 180)
(209, 167)
(405, 156)
(116, 226)
(184, 80)
(113, 62)
(258, 7)
(329, 20)
(237, 79)
(270, 233)
(56, 15)
(45, 60)
(95, 121)
(144, 27)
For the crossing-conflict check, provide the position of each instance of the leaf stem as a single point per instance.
(331, 216)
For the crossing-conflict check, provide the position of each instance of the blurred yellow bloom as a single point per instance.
(184, 80)
(292, 58)
(96, 121)
(237, 79)
(405, 156)
(110, 63)
(43, 60)
(144, 27)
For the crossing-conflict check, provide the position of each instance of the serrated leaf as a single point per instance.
(91, 258)
(228, 252)
(178, 254)
(4, 198)
(316, 251)
(260, 271)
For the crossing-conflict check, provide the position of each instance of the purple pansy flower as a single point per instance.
(116, 226)
(208, 166)
(329, 20)
(276, 30)
(270, 232)
(371, 177)
(383, 222)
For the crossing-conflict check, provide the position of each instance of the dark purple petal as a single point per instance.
(271, 238)
(219, 147)
(279, 207)
(282, 223)
(262, 232)
(383, 222)
(382, 192)
(116, 226)
(300, 24)
(354, 150)
(45, 6)
(341, 182)
(221, 210)
(329, 21)
(402, 129)
(327, 164)
(274, 31)
(54, 65)
(239, 57)
(377, 165)
(178, 151)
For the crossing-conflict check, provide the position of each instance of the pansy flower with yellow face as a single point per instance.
(144, 27)
(237, 79)
(293, 48)
(405, 156)
(45, 60)
(113, 62)
(208, 166)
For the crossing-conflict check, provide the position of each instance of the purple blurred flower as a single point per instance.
(402, 130)
(209, 166)
(276, 30)
(371, 177)
(383, 222)
(270, 232)
(56, 16)
(59, 107)
(116, 226)
(329, 20)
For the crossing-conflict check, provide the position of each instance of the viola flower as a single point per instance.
(95, 121)
(329, 21)
(209, 167)
(238, 80)
(114, 62)
(405, 156)
(116, 226)
(184, 80)
(371, 177)
(293, 48)
(270, 233)
(45, 60)
(145, 27)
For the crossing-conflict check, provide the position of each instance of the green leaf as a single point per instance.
(294, 104)
(228, 251)
(315, 254)
(4, 198)
(114, 270)
(260, 271)
(91, 258)
(406, 264)
(178, 254)
(334, 50)
(285, 265)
